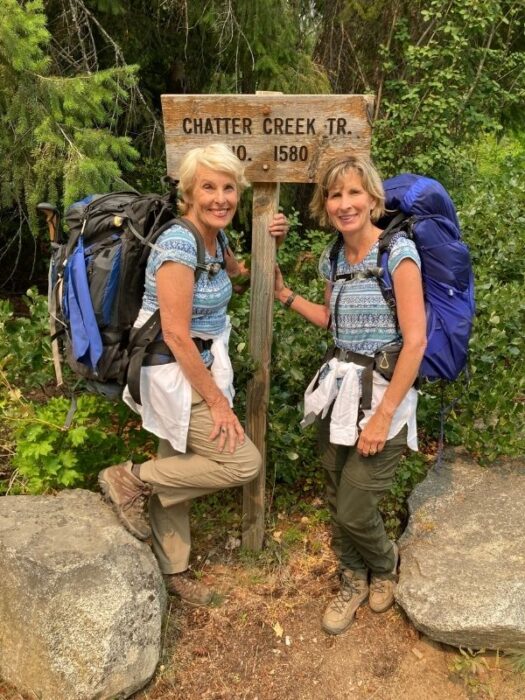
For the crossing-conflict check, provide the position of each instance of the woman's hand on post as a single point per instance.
(226, 426)
(279, 286)
(279, 228)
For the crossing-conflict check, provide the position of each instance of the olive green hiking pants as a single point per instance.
(354, 487)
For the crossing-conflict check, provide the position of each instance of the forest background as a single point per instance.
(80, 86)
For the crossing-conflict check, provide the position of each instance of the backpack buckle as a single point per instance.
(383, 361)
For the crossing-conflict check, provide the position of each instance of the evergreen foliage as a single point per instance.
(57, 140)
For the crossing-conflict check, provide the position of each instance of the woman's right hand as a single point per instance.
(226, 425)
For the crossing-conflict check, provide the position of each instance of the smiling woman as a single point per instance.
(349, 206)
(187, 384)
(365, 418)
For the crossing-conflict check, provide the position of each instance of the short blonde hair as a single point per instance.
(216, 156)
(335, 170)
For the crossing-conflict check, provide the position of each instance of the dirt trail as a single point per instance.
(262, 641)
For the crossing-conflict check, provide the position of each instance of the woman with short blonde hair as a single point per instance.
(215, 156)
(186, 381)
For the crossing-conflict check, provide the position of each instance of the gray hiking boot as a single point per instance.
(188, 588)
(128, 495)
(340, 613)
(382, 589)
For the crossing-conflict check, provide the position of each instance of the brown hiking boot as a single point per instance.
(188, 588)
(340, 613)
(128, 495)
(382, 589)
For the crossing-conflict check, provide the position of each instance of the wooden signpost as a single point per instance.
(279, 138)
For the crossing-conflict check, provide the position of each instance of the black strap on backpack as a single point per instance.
(400, 223)
(139, 340)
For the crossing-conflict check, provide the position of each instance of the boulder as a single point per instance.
(81, 600)
(462, 574)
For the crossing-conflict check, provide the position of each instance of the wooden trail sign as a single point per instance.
(279, 138)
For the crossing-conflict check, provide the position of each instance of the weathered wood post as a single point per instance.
(280, 138)
(265, 204)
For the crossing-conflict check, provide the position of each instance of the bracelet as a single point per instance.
(289, 301)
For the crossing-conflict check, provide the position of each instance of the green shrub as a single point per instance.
(50, 455)
(46, 454)
(25, 347)
(490, 420)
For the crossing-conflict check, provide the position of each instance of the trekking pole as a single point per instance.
(52, 217)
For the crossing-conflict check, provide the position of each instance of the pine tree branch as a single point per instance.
(381, 84)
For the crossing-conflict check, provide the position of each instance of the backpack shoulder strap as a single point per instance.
(223, 244)
(400, 223)
(393, 228)
(334, 255)
(201, 265)
(199, 242)
(139, 340)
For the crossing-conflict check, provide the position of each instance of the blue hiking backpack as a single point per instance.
(420, 209)
(427, 215)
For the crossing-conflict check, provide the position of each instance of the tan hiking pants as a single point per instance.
(177, 478)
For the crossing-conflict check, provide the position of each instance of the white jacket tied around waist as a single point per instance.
(166, 393)
(339, 383)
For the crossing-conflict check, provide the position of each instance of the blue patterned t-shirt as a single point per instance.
(361, 319)
(211, 292)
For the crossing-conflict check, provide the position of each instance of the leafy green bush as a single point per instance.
(47, 455)
(447, 77)
(50, 455)
(491, 422)
(25, 347)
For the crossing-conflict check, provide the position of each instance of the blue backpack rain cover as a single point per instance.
(425, 213)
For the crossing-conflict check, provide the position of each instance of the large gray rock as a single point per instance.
(462, 576)
(81, 600)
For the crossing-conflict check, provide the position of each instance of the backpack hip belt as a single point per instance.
(384, 362)
(158, 352)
